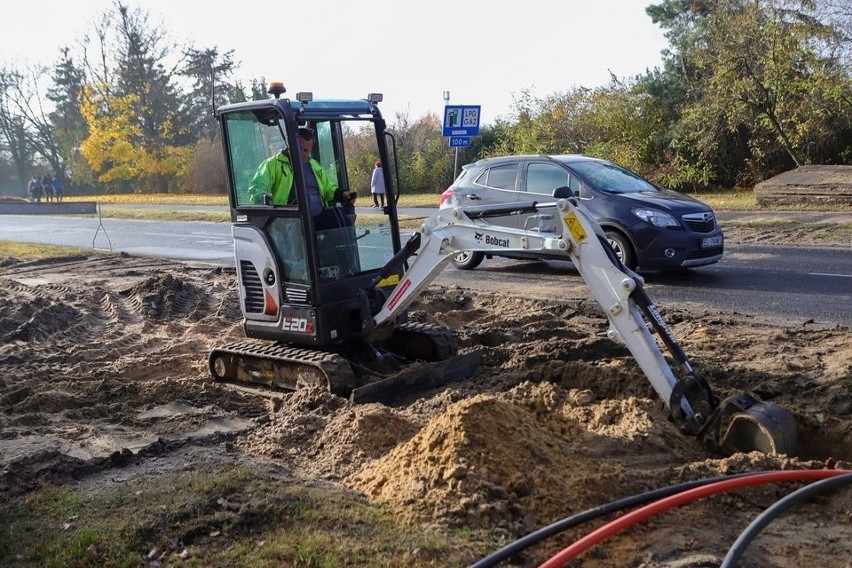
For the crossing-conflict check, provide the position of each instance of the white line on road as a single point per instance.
(829, 274)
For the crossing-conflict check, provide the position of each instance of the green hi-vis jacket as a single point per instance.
(275, 177)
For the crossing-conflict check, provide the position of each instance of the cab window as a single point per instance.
(327, 151)
(252, 137)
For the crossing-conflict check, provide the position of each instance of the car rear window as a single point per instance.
(500, 177)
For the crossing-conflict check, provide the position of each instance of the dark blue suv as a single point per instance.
(651, 229)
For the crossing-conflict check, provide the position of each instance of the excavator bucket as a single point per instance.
(745, 424)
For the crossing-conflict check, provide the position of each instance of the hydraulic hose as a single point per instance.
(628, 520)
(772, 512)
(564, 524)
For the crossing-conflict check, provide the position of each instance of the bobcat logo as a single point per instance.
(490, 240)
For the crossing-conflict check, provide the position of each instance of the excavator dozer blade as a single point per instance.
(745, 424)
(417, 377)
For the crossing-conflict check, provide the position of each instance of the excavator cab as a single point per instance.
(310, 284)
(299, 277)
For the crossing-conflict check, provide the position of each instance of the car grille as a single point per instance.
(706, 253)
(700, 222)
(254, 289)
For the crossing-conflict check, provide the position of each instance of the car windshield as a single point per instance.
(610, 178)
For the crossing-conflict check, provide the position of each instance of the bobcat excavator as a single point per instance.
(326, 307)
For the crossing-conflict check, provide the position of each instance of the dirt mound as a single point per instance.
(104, 356)
(813, 184)
(548, 459)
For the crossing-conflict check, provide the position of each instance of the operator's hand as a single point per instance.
(261, 199)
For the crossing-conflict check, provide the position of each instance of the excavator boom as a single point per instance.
(738, 423)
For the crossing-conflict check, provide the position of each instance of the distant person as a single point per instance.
(377, 185)
(34, 189)
(47, 187)
(58, 187)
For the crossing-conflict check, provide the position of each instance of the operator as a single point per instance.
(275, 177)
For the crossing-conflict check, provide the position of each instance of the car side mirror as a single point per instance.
(563, 192)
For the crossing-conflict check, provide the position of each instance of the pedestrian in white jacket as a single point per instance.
(377, 186)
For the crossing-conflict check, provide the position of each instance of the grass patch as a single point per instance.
(29, 251)
(815, 227)
(831, 231)
(729, 200)
(215, 517)
(154, 199)
(431, 200)
(166, 215)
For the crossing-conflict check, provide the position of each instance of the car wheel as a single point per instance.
(623, 249)
(468, 260)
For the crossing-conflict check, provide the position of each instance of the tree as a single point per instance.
(13, 127)
(125, 65)
(110, 148)
(69, 128)
(425, 163)
(258, 89)
(133, 87)
(764, 87)
(209, 87)
(25, 123)
(619, 121)
(206, 173)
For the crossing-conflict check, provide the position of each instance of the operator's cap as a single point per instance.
(305, 133)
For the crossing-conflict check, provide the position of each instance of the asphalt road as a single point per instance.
(794, 284)
(206, 242)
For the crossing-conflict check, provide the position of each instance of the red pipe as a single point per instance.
(578, 547)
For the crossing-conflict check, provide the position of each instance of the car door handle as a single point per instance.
(473, 197)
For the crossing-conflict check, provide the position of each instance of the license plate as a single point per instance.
(711, 242)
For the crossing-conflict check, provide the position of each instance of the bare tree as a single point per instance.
(25, 121)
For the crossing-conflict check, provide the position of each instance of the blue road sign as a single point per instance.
(461, 120)
(459, 141)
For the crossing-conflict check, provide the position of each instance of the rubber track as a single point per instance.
(335, 369)
(444, 340)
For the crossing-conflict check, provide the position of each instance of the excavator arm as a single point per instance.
(738, 423)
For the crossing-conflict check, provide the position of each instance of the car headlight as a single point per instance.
(656, 218)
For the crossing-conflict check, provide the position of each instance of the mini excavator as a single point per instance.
(327, 307)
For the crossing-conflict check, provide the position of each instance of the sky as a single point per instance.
(483, 52)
